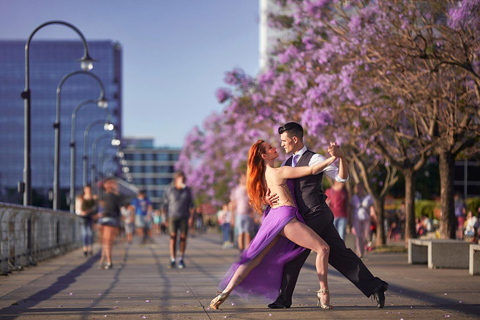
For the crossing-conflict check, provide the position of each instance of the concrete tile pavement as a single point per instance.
(140, 286)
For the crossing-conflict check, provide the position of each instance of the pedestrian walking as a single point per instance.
(86, 208)
(362, 211)
(178, 206)
(339, 202)
(242, 212)
(109, 219)
(143, 215)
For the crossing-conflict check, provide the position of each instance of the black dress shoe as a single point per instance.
(379, 294)
(278, 305)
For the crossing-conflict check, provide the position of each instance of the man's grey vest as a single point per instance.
(308, 190)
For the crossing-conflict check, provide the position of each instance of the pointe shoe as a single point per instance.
(218, 300)
(325, 305)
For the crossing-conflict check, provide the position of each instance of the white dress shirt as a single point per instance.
(331, 170)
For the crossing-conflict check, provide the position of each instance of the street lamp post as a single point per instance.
(86, 64)
(94, 153)
(108, 158)
(101, 104)
(106, 126)
(56, 125)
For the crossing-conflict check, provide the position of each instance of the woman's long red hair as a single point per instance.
(256, 188)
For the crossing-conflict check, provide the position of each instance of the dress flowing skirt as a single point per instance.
(264, 280)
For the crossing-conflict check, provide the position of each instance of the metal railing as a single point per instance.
(31, 234)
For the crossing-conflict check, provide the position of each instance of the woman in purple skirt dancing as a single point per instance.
(259, 270)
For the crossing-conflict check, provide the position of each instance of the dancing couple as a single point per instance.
(297, 221)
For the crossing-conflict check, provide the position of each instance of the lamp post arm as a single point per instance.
(74, 116)
(87, 130)
(27, 45)
(65, 78)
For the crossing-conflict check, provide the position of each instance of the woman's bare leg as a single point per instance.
(244, 269)
(240, 274)
(304, 236)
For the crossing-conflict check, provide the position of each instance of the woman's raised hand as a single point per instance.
(335, 151)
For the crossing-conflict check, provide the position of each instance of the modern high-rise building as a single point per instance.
(147, 167)
(50, 62)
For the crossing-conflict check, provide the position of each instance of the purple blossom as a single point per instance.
(355, 24)
(223, 94)
(465, 14)
(316, 119)
(315, 7)
(300, 80)
(308, 42)
(266, 77)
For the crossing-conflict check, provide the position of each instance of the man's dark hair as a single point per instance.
(179, 174)
(293, 129)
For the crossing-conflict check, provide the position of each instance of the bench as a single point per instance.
(439, 253)
(474, 265)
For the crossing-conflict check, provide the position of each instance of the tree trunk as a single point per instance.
(410, 231)
(380, 211)
(447, 221)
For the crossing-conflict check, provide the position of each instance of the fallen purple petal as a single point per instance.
(460, 301)
(233, 304)
(147, 301)
(71, 293)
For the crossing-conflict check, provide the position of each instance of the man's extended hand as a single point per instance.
(271, 199)
(335, 151)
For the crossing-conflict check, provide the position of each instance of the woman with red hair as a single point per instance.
(259, 270)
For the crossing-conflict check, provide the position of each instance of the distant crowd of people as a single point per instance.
(113, 214)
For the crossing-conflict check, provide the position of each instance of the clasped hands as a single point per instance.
(335, 151)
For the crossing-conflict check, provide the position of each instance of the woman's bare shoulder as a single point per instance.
(273, 175)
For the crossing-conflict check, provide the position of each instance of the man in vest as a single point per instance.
(318, 216)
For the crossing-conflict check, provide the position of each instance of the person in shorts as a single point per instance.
(128, 216)
(178, 207)
(242, 211)
(143, 214)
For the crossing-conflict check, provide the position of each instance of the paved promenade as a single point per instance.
(140, 286)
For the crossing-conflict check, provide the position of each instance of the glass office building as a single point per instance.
(50, 61)
(147, 167)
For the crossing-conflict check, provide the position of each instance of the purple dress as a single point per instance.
(264, 280)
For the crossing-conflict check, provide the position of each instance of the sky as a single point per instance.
(175, 52)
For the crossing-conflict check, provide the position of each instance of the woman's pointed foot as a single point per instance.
(218, 300)
(323, 296)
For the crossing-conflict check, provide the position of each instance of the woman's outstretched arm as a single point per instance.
(287, 172)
